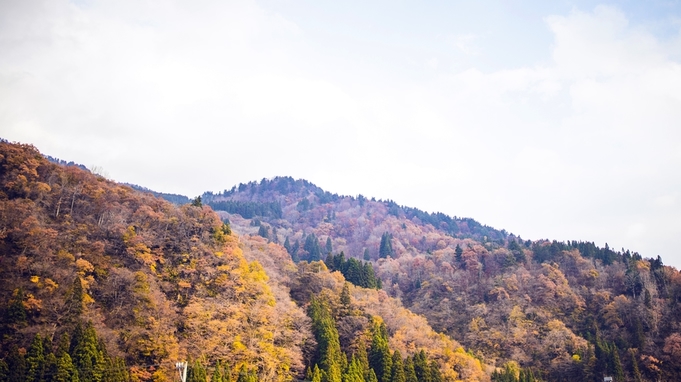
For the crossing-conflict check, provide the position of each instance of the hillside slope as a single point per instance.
(572, 310)
(99, 282)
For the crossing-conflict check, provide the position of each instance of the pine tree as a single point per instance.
(74, 300)
(372, 376)
(16, 312)
(379, 354)
(66, 371)
(435, 374)
(217, 373)
(51, 364)
(87, 356)
(354, 372)
(263, 231)
(287, 245)
(636, 373)
(247, 375)
(367, 256)
(329, 354)
(16, 363)
(409, 373)
(398, 368)
(329, 246)
(35, 360)
(617, 365)
(421, 367)
(316, 374)
(196, 372)
(345, 299)
(458, 253)
(386, 247)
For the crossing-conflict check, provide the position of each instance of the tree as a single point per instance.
(263, 232)
(35, 360)
(398, 368)
(329, 355)
(329, 246)
(246, 375)
(16, 365)
(386, 247)
(367, 256)
(379, 353)
(458, 253)
(197, 202)
(66, 371)
(196, 372)
(409, 372)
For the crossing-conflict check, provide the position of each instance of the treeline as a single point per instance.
(355, 271)
(81, 357)
(176, 199)
(248, 210)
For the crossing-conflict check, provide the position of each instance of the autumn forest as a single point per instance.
(279, 280)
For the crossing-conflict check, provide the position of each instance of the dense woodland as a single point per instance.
(101, 282)
(282, 281)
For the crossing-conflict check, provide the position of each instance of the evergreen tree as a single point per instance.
(354, 372)
(312, 247)
(16, 312)
(409, 372)
(329, 354)
(379, 354)
(386, 247)
(217, 373)
(87, 356)
(35, 360)
(435, 374)
(345, 299)
(66, 371)
(635, 372)
(74, 300)
(287, 245)
(372, 376)
(263, 232)
(196, 372)
(116, 371)
(363, 358)
(458, 253)
(315, 375)
(367, 256)
(16, 363)
(329, 246)
(398, 368)
(51, 364)
(421, 367)
(617, 365)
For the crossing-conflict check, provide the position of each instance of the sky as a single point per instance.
(552, 120)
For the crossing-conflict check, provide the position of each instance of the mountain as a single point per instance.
(101, 282)
(568, 310)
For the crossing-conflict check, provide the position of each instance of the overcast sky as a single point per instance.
(550, 119)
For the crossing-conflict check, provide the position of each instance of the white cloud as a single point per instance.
(187, 97)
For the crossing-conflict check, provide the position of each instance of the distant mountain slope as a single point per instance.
(571, 310)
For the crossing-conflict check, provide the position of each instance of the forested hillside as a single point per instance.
(563, 310)
(101, 282)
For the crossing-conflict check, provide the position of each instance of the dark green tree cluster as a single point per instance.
(355, 271)
(379, 364)
(386, 247)
(312, 247)
(197, 372)
(81, 358)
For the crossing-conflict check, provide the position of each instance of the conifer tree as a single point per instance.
(379, 354)
(458, 253)
(363, 358)
(435, 374)
(196, 372)
(329, 355)
(354, 372)
(345, 299)
(87, 356)
(409, 372)
(372, 376)
(367, 256)
(16, 312)
(329, 245)
(315, 375)
(74, 300)
(617, 365)
(51, 363)
(386, 247)
(35, 360)
(16, 363)
(66, 371)
(398, 368)
(217, 373)
(421, 367)
(636, 373)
